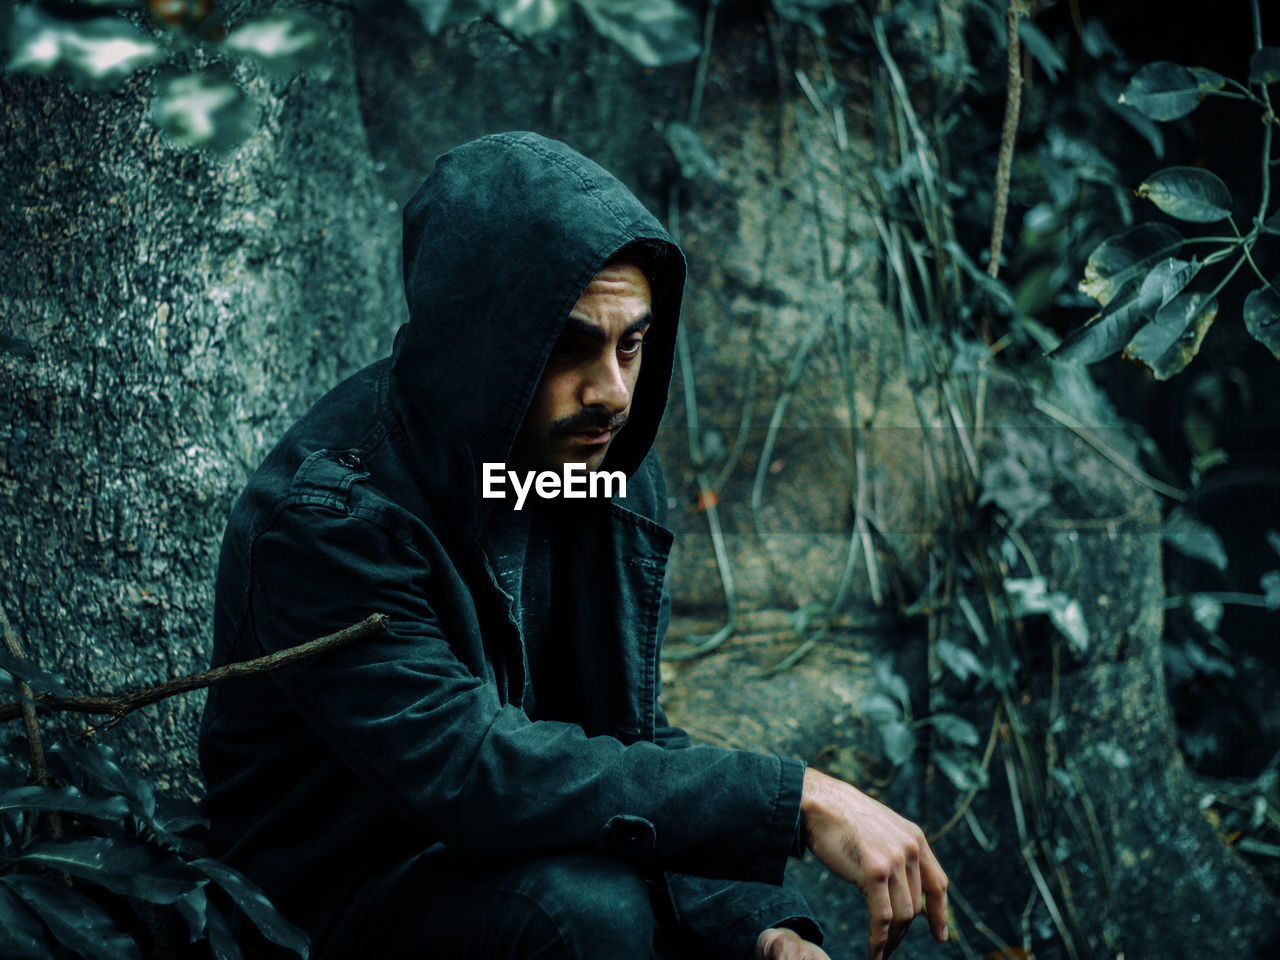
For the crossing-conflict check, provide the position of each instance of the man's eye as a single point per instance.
(631, 346)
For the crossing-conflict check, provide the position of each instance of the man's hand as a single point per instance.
(885, 855)
(780, 943)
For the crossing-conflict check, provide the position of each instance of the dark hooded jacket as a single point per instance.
(329, 774)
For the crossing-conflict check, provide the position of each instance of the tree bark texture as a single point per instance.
(165, 315)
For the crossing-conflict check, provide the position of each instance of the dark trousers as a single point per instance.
(563, 907)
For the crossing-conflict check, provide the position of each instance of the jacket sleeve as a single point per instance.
(722, 920)
(404, 712)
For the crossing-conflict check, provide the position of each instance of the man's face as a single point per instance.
(585, 393)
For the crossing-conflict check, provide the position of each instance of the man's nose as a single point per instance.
(606, 386)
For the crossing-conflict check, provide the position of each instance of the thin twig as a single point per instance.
(119, 706)
(1004, 168)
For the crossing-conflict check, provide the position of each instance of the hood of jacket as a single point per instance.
(499, 243)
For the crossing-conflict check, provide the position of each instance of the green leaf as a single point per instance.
(1042, 50)
(1184, 349)
(806, 12)
(956, 729)
(1210, 81)
(1167, 279)
(1032, 596)
(123, 865)
(74, 919)
(94, 766)
(1127, 256)
(194, 908)
(1262, 316)
(1107, 332)
(40, 681)
(892, 684)
(959, 660)
(432, 12)
(1188, 193)
(1264, 65)
(963, 773)
(690, 152)
(284, 42)
(21, 932)
(205, 110)
(1194, 539)
(899, 742)
(527, 18)
(1113, 754)
(1270, 582)
(655, 32)
(222, 941)
(65, 799)
(879, 709)
(1273, 538)
(101, 50)
(1173, 338)
(1163, 91)
(256, 906)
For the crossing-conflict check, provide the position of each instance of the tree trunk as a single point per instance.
(163, 318)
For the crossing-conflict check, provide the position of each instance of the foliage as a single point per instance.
(1144, 278)
(203, 102)
(93, 866)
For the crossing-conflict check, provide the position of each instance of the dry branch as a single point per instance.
(119, 706)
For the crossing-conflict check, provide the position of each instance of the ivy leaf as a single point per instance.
(205, 110)
(1188, 193)
(1125, 256)
(1163, 91)
(1264, 65)
(899, 742)
(1032, 596)
(956, 729)
(892, 684)
(1106, 332)
(1173, 338)
(1194, 539)
(74, 919)
(963, 774)
(879, 709)
(1262, 316)
(283, 42)
(1165, 281)
(959, 660)
(65, 799)
(1210, 81)
(256, 906)
(1042, 50)
(655, 32)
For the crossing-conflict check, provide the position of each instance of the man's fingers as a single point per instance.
(880, 911)
(934, 883)
(903, 911)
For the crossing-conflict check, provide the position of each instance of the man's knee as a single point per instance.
(602, 907)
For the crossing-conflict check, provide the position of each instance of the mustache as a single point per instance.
(588, 421)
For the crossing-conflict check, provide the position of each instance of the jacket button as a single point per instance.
(349, 460)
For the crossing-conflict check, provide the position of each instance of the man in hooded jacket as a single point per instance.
(492, 775)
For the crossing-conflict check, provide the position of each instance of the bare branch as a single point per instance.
(119, 706)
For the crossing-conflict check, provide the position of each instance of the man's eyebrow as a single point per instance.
(577, 325)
